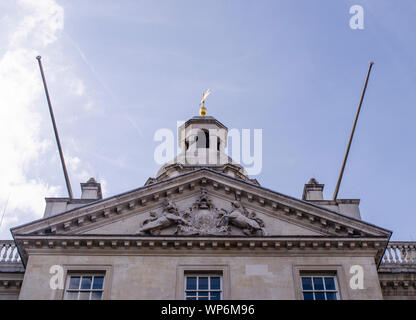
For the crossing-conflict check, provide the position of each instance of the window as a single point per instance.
(319, 287)
(84, 286)
(202, 139)
(203, 281)
(203, 287)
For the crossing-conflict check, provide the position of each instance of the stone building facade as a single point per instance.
(202, 229)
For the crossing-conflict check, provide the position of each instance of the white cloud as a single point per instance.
(74, 166)
(104, 189)
(38, 26)
(41, 24)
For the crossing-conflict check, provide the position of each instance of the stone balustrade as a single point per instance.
(8, 253)
(400, 254)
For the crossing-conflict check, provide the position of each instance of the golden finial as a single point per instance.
(203, 110)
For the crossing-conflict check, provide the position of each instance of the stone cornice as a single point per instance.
(11, 281)
(394, 284)
(108, 244)
(208, 119)
(336, 202)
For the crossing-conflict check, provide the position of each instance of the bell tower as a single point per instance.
(203, 141)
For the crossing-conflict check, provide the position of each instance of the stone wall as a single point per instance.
(161, 276)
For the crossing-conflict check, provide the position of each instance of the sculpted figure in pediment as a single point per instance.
(168, 217)
(241, 218)
(203, 218)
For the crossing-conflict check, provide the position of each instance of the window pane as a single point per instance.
(319, 296)
(331, 296)
(190, 298)
(306, 283)
(318, 283)
(215, 296)
(190, 283)
(71, 296)
(84, 295)
(96, 295)
(203, 283)
(307, 296)
(74, 283)
(215, 283)
(329, 284)
(98, 283)
(86, 282)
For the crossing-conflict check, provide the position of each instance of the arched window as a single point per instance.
(202, 139)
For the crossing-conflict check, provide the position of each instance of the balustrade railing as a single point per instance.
(400, 253)
(9, 253)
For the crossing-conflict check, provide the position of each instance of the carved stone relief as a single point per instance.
(203, 218)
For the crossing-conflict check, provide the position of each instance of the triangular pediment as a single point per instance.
(201, 203)
(187, 215)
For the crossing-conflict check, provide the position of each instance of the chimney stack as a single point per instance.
(91, 190)
(313, 190)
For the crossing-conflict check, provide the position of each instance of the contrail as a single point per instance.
(84, 58)
(102, 83)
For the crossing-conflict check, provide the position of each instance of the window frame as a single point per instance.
(203, 275)
(322, 275)
(183, 271)
(79, 289)
(72, 269)
(331, 270)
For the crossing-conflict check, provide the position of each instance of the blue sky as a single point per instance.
(119, 71)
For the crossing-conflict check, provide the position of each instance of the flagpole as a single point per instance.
(352, 133)
(55, 129)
